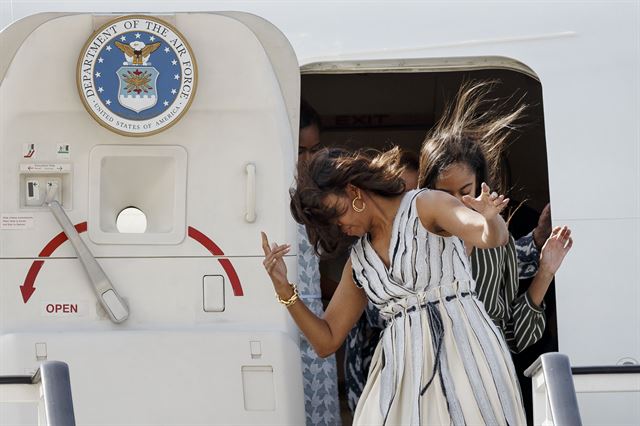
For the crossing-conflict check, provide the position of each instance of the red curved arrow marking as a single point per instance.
(28, 288)
(216, 251)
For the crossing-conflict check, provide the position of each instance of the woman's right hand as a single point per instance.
(275, 266)
(488, 204)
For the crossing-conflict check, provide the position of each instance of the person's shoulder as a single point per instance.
(427, 199)
(426, 202)
(430, 204)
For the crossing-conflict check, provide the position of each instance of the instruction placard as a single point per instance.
(45, 168)
(16, 221)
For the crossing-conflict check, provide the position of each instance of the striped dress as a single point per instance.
(496, 274)
(440, 360)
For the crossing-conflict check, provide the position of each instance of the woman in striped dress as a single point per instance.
(463, 150)
(441, 360)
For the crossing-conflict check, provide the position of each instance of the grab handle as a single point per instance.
(250, 215)
(107, 295)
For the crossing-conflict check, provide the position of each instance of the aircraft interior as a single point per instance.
(380, 109)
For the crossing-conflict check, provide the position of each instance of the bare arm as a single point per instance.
(347, 304)
(482, 227)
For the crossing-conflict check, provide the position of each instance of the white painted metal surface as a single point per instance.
(585, 54)
(185, 355)
(610, 399)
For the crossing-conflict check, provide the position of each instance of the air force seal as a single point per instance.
(137, 75)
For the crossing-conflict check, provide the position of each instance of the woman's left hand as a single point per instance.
(487, 204)
(555, 249)
(274, 263)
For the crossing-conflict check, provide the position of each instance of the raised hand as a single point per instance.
(555, 249)
(487, 204)
(274, 262)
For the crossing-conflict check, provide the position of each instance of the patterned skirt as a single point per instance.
(321, 403)
(441, 360)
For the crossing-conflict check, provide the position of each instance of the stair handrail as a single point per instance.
(551, 375)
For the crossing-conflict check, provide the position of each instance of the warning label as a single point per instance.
(16, 221)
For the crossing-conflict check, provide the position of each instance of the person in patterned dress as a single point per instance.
(440, 360)
(319, 375)
(363, 338)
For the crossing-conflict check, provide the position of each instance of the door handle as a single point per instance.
(250, 201)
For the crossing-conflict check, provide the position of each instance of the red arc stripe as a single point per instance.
(58, 240)
(225, 263)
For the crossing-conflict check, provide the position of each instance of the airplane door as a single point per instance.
(171, 142)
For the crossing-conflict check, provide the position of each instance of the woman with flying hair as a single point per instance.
(363, 339)
(441, 360)
(463, 150)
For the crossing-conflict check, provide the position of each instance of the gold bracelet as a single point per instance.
(293, 299)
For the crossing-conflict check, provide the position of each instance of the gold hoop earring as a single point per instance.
(356, 208)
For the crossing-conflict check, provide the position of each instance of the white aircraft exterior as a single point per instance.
(204, 341)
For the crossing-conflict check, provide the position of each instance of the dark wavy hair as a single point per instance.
(330, 171)
(473, 132)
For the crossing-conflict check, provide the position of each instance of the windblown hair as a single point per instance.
(471, 131)
(409, 160)
(329, 171)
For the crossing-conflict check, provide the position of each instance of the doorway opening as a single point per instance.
(381, 104)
